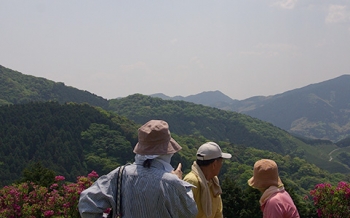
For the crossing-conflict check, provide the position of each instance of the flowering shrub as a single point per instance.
(31, 200)
(332, 201)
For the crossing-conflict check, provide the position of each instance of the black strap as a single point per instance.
(118, 196)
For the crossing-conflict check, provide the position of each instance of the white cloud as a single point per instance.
(286, 4)
(338, 14)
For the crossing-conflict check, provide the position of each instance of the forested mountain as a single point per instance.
(319, 111)
(74, 139)
(71, 139)
(16, 88)
(220, 125)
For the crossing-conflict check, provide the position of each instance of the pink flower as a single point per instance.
(93, 174)
(53, 186)
(48, 213)
(59, 178)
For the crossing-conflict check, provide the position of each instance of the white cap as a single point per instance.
(211, 150)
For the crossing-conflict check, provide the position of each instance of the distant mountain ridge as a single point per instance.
(194, 119)
(317, 111)
(320, 111)
(208, 98)
(16, 88)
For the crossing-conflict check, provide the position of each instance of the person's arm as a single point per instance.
(188, 204)
(181, 204)
(98, 197)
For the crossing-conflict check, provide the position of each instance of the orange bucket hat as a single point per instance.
(265, 175)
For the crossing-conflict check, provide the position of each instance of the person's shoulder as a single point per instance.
(280, 197)
(191, 178)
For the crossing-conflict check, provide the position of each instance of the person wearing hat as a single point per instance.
(275, 201)
(150, 186)
(203, 175)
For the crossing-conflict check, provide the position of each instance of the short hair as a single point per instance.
(147, 163)
(205, 162)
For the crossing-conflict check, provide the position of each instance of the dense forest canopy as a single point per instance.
(218, 125)
(74, 139)
(41, 126)
(16, 88)
(71, 139)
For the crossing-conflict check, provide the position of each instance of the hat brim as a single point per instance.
(171, 148)
(226, 155)
(256, 184)
(251, 182)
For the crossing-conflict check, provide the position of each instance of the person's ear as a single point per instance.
(215, 162)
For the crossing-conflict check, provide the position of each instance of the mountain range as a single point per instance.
(318, 111)
(73, 131)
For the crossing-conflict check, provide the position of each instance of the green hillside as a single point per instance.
(186, 118)
(219, 125)
(74, 139)
(17, 88)
(70, 139)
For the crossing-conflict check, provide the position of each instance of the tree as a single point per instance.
(38, 174)
(239, 203)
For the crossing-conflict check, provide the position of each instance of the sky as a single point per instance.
(112, 48)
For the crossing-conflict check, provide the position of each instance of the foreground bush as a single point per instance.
(32, 200)
(332, 201)
(60, 199)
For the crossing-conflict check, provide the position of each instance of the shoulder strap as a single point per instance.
(118, 196)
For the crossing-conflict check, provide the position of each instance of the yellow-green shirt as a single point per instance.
(216, 201)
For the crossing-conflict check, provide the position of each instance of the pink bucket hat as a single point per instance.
(265, 175)
(155, 139)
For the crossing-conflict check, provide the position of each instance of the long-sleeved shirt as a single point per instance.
(280, 205)
(146, 192)
(215, 200)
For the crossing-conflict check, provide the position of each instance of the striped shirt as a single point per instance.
(146, 192)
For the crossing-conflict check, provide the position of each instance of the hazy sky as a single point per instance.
(242, 48)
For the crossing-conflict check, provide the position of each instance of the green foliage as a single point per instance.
(238, 202)
(38, 174)
(106, 149)
(188, 119)
(218, 125)
(17, 88)
(73, 139)
(52, 134)
(344, 158)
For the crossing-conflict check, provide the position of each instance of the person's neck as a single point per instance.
(207, 172)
